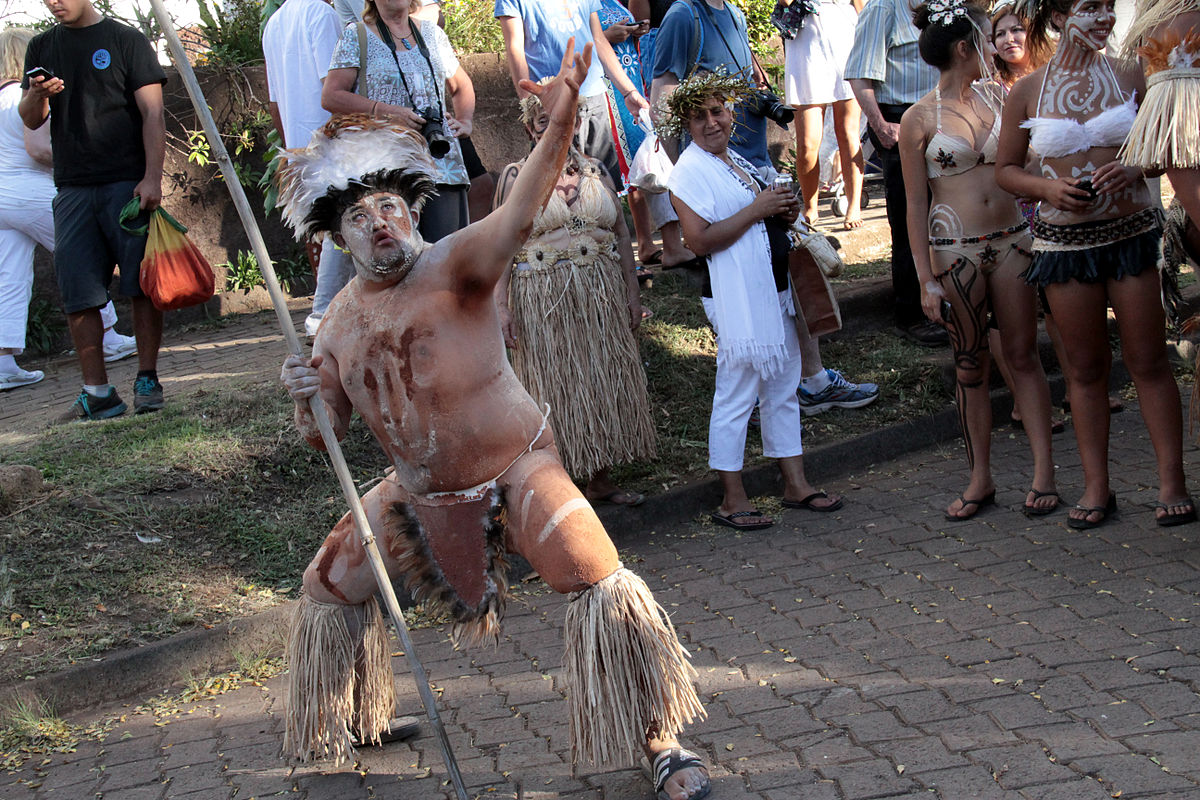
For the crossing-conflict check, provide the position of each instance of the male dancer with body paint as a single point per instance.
(413, 344)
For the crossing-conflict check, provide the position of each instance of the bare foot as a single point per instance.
(852, 221)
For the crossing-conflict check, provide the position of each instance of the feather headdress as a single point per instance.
(351, 155)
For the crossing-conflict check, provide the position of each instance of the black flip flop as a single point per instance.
(654, 260)
(980, 504)
(1036, 511)
(1105, 511)
(729, 521)
(1182, 518)
(807, 503)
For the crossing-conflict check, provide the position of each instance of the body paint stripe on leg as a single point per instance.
(565, 510)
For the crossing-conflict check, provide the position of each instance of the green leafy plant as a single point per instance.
(243, 274)
(471, 27)
(44, 328)
(232, 32)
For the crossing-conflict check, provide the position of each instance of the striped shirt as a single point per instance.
(885, 51)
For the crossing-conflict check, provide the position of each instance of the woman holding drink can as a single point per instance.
(741, 221)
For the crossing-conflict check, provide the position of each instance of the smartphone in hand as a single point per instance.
(39, 72)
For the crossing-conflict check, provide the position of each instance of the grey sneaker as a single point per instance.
(147, 395)
(87, 407)
(840, 393)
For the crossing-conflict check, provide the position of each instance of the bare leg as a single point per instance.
(643, 228)
(967, 292)
(674, 252)
(87, 334)
(1060, 351)
(796, 486)
(846, 115)
(1186, 183)
(810, 124)
(735, 498)
(601, 488)
(1081, 309)
(1015, 304)
(147, 329)
(995, 345)
(1142, 323)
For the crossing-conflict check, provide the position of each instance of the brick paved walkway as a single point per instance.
(878, 652)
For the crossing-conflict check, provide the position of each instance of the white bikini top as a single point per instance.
(1055, 137)
(947, 154)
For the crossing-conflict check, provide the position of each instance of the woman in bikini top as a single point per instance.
(1096, 241)
(978, 244)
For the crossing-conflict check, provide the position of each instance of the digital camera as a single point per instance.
(767, 104)
(434, 132)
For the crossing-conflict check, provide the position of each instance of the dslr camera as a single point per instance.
(767, 104)
(434, 132)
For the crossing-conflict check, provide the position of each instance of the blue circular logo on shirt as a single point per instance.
(101, 59)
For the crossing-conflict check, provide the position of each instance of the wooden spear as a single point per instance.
(349, 490)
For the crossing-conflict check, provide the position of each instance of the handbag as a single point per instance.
(789, 19)
(651, 166)
(174, 273)
(807, 238)
(817, 311)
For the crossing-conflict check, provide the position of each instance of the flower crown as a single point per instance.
(676, 109)
(946, 12)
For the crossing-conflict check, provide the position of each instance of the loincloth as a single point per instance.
(451, 549)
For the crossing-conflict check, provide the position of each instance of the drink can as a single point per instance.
(782, 182)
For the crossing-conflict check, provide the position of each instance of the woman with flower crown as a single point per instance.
(1096, 240)
(978, 245)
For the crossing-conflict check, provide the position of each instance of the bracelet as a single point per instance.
(631, 91)
(373, 105)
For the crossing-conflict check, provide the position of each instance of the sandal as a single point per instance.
(988, 499)
(671, 761)
(1105, 511)
(807, 503)
(1169, 520)
(1032, 510)
(731, 520)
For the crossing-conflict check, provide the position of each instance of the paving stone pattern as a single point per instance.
(878, 652)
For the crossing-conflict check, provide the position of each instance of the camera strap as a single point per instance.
(749, 69)
(386, 35)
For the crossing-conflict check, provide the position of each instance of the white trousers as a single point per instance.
(25, 221)
(737, 387)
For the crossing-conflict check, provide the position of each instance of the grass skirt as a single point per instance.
(1166, 132)
(625, 671)
(576, 353)
(341, 680)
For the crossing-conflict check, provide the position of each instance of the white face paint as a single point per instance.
(380, 232)
(1089, 23)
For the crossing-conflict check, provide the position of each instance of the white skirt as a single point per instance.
(815, 61)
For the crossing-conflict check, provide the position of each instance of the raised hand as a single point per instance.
(560, 97)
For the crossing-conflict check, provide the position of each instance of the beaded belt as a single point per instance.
(987, 237)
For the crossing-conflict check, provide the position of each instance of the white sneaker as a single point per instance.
(121, 347)
(311, 323)
(22, 377)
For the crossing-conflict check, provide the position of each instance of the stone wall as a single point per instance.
(199, 198)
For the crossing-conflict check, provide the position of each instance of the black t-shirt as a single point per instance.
(95, 122)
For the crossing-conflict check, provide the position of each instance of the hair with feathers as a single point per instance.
(1150, 15)
(351, 156)
(938, 36)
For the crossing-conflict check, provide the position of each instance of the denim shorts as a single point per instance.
(89, 242)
